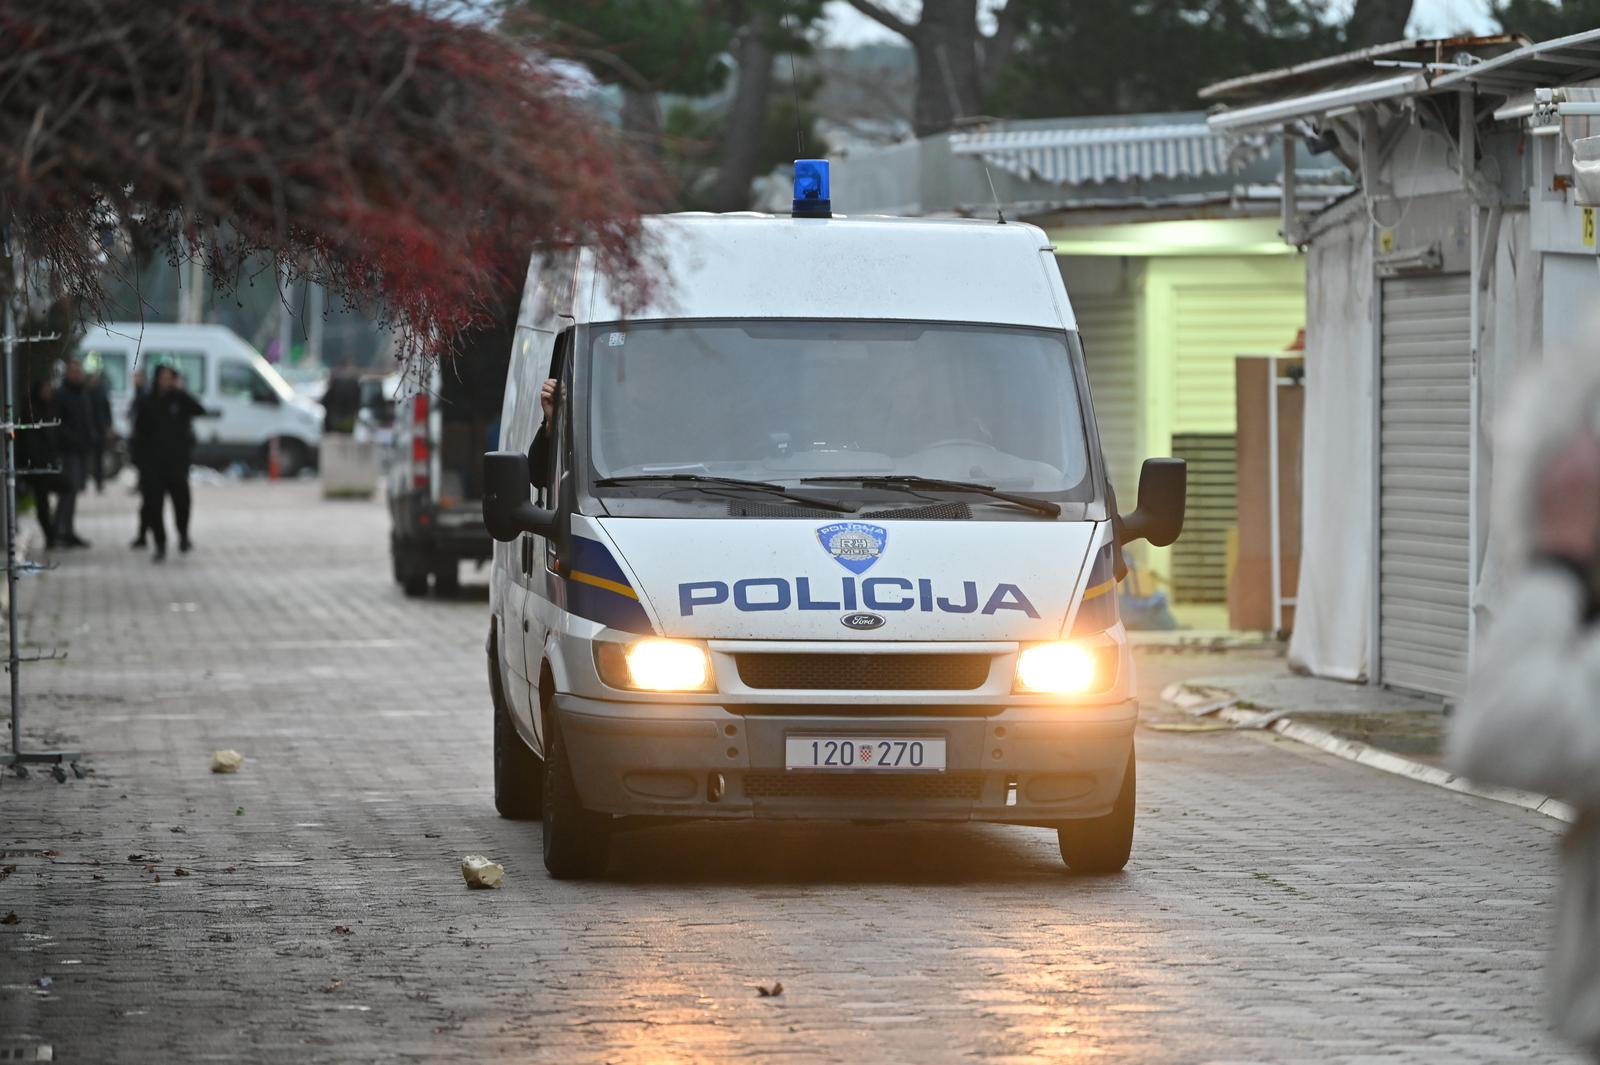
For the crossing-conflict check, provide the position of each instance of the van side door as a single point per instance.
(539, 554)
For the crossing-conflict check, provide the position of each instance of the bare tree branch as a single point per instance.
(884, 17)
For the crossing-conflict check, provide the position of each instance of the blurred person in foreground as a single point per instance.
(76, 438)
(164, 430)
(1531, 718)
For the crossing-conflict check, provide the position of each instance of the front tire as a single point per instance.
(518, 772)
(410, 569)
(293, 456)
(1099, 845)
(576, 841)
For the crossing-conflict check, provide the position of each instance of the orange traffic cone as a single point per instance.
(274, 471)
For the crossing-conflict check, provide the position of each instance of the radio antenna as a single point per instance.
(794, 86)
(998, 212)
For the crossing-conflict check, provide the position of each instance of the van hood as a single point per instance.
(772, 579)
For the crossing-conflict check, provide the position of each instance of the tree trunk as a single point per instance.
(946, 45)
(1378, 22)
(641, 119)
(741, 134)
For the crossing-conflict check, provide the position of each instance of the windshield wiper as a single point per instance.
(729, 482)
(912, 482)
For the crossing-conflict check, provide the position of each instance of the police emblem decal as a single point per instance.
(855, 545)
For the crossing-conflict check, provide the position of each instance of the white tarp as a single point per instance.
(1511, 339)
(1333, 611)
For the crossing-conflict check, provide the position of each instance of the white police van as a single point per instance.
(823, 531)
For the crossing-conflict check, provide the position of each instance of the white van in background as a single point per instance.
(249, 401)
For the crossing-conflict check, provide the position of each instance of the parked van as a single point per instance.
(248, 402)
(449, 412)
(824, 532)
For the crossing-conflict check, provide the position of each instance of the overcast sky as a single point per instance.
(1429, 18)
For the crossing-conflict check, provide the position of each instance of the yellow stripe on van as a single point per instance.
(601, 582)
(1098, 590)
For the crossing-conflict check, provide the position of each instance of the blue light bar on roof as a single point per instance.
(811, 189)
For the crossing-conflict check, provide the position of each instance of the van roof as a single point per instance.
(750, 265)
(130, 334)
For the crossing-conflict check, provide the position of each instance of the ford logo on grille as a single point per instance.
(862, 621)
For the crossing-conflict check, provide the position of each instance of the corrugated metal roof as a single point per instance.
(1376, 86)
(1341, 69)
(1549, 63)
(1359, 79)
(1081, 156)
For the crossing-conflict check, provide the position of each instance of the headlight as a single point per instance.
(1066, 668)
(654, 666)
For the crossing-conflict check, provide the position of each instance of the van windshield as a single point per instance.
(787, 400)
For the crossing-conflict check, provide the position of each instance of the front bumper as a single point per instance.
(1027, 765)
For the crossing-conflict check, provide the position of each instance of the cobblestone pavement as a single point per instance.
(1280, 906)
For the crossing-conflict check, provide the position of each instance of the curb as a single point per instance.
(1200, 701)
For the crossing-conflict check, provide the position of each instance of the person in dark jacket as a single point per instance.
(164, 427)
(136, 451)
(341, 400)
(76, 436)
(38, 455)
(104, 433)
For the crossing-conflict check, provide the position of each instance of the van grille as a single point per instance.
(864, 672)
(867, 787)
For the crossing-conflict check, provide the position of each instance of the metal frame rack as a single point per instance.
(15, 566)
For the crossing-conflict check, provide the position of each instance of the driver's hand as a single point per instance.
(547, 399)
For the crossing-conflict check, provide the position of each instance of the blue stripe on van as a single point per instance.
(596, 588)
(1098, 610)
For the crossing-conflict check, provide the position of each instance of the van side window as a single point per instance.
(112, 365)
(546, 463)
(239, 380)
(191, 366)
(553, 296)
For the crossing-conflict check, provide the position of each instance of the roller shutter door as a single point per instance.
(1215, 324)
(1424, 483)
(1109, 326)
(1200, 557)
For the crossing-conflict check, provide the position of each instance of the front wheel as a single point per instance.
(1102, 844)
(518, 772)
(293, 456)
(576, 841)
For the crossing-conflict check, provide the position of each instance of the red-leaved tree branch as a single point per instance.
(409, 160)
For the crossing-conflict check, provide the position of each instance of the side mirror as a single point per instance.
(1163, 487)
(508, 511)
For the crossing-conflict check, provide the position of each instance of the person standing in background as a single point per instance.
(38, 456)
(164, 430)
(136, 455)
(104, 434)
(76, 437)
(341, 399)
